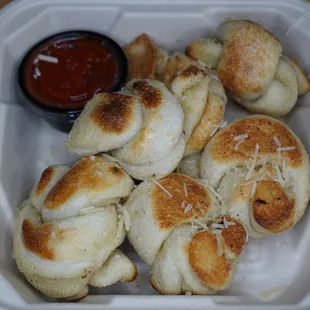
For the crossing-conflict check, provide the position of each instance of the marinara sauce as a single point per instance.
(64, 73)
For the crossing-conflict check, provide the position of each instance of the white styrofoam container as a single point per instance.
(273, 273)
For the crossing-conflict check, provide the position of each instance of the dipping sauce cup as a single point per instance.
(60, 74)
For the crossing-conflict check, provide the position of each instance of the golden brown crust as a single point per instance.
(84, 175)
(150, 96)
(212, 269)
(261, 130)
(45, 179)
(142, 57)
(272, 209)
(212, 115)
(176, 64)
(169, 211)
(234, 237)
(113, 112)
(244, 67)
(36, 239)
(192, 71)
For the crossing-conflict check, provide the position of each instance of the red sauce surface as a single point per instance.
(85, 67)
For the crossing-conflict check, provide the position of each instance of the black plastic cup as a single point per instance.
(63, 119)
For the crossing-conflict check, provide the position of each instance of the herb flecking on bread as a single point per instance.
(264, 182)
(248, 60)
(67, 232)
(176, 228)
(142, 125)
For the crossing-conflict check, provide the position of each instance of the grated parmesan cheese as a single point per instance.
(162, 188)
(188, 208)
(277, 142)
(253, 162)
(97, 172)
(253, 189)
(214, 192)
(215, 225)
(254, 181)
(222, 124)
(110, 158)
(92, 157)
(241, 137)
(183, 204)
(185, 189)
(202, 63)
(37, 71)
(127, 220)
(238, 144)
(48, 58)
(279, 175)
(286, 148)
(200, 223)
(225, 222)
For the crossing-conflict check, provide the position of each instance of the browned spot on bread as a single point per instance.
(261, 130)
(234, 236)
(249, 59)
(45, 179)
(117, 171)
(36, 239)
(168, 211)
(113, 112)
(272, 209)
(150, 96)
(142, 55)
(83, 176)
(60, 234)
(192, 71)
(212, 269)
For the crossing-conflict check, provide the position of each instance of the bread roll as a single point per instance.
(261, 171)
(153, 149)
(58, 258)
(145, 58)
(91, 182)
(280, 96)
(108, 121)
(198, 261)
(248, 61)
(67, 232)
(203, 101)
(163, 121)
(163, 231)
